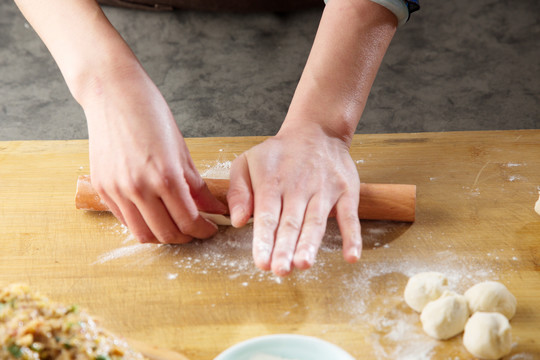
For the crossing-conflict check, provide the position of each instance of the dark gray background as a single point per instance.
(457, 65)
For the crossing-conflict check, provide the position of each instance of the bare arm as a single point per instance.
(352, 39)
(139, 161)
(292, 181)
(80, 38)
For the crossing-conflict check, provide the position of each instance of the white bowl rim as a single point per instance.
(283, 337)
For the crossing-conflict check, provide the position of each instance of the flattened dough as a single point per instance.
(219, 219)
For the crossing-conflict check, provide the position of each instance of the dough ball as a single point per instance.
(491, 296)
(488, 335)
(446, 316)
(537, 205)
(423, 288)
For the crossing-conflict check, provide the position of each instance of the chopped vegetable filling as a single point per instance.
(33, 328)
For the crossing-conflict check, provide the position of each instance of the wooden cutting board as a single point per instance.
(475, 221)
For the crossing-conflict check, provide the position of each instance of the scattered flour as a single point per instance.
(371, 292)
(125, 251)
(513, 178)
(218, 170)
(172, 276)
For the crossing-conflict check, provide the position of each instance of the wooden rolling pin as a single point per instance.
(396, 202)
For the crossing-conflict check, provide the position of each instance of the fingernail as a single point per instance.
(308, 256)
(354, 253)
(283, 269)
(237, 214)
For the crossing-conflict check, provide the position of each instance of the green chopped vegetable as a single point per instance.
(15, 350)
(72, 309)
(103, 357)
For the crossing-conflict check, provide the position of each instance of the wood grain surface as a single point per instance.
(475, 221)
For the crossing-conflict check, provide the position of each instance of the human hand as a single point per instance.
(290, 183)
(140, 164)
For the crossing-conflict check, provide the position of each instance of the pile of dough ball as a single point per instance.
(445, 314)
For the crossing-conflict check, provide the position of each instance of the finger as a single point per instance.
(135, 222)
(159, 221)
(184, 213)
(198, 189)
(349, 226)
(290, 224)
(313, 231)
(240, 194)
(112, 206)
(266, 219)
(204, 199)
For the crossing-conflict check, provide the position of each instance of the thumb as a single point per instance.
(205, 200)
(240, 194)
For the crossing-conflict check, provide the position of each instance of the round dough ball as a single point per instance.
(491, 296)
(446, 316)
(423, 288)
(488, 335)
(537, 205)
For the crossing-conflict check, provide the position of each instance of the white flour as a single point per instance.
(218, 170)
(371, 291)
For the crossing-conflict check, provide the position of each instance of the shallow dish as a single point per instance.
(284, 347)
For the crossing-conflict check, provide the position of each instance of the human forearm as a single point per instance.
(84, 44)
(351, 41)
(291, 182)
(139, 162)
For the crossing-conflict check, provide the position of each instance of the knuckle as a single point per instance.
(291, 223)
(235, 193)
(188, 228)
(167, 238)
(144, 238)
(163, 181)
(351, 219)
(315, 220)
(268, 220)
(283, 254)
(133, 187)
(187, 223)
(347, 183)
(155, 182)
